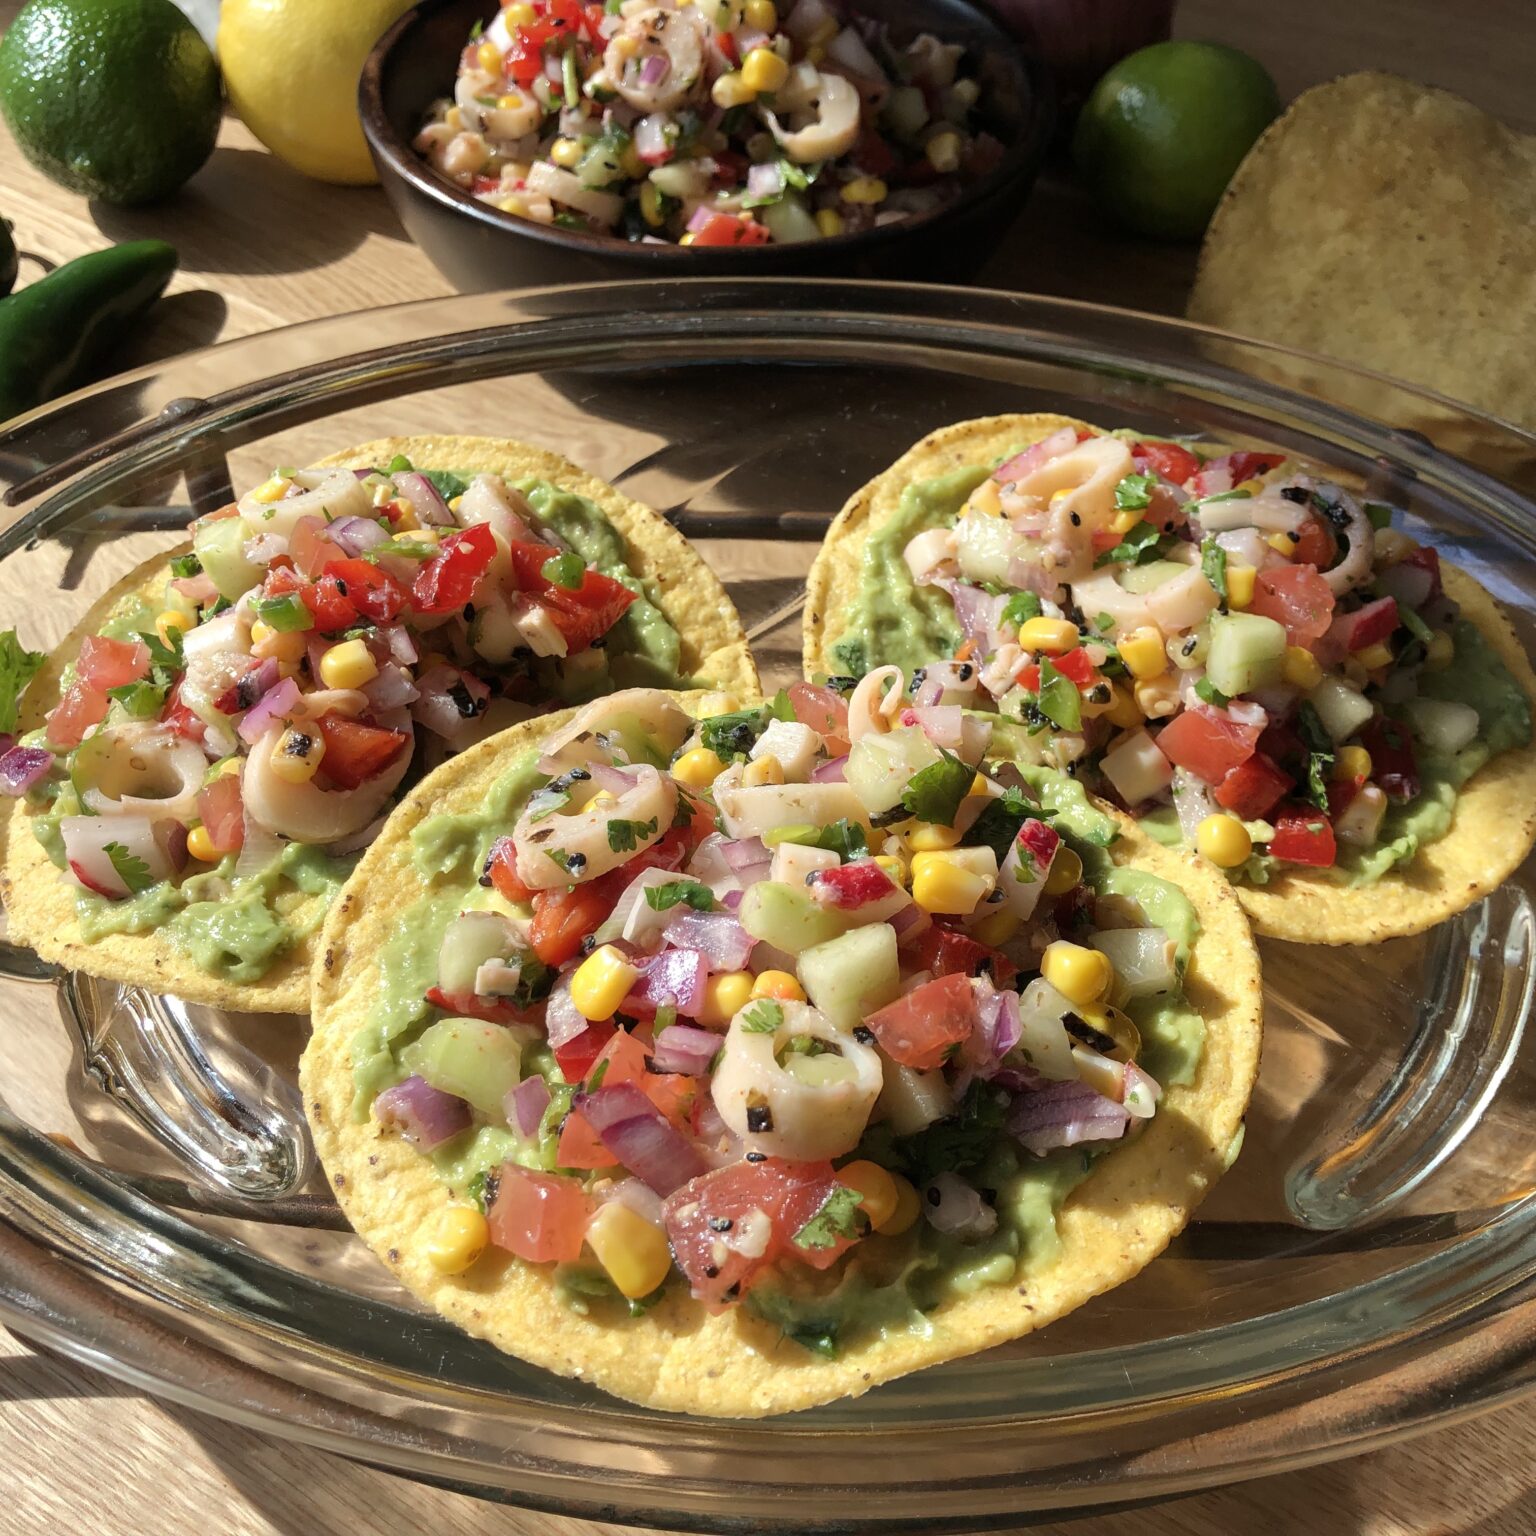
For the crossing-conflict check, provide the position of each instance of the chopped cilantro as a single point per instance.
(1021, 608)
(131, 869)
(161, 654)
(1134, 493)
(1379, 513)
(836, 1218)
(18, 666)
(624, 836)
(958, 1142)
(933, 794)
(598, 1074)
(1211, 693)
(399, 465)
(141, 700)
(779, 706)
(733, 735)
(446, 483)
(660, 898)
(844, 838)
(184, 566)
(569, 862)
(819, 1337)
(999, 823)
(763, 1017)
(1213, 562)
(1138, 547)
(1103, 621)
(1059, 701)
(1320, 754)
(566, 571)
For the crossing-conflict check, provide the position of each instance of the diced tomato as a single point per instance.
(1314, 544)
(1253, 789)
(447, 581)
(1341, 794)
(1166, 459)
(577, 1055)
(472, 1006)
(1393, 765)
(1365, 626)
(921, 1029)
(1427, 559)
(593, 610)
(580, 1146)
(329, 605)
(673, 1093)
(1232, 470)
(501, 866)
(1304, 835)
(1297, 597)
(1209, 744)
(701, 820)
(849, 886)
(81, 707)
(824, 711)
(949, 952)
(726, 43)
(104, 663)
(627, 1060)
(374, 593)
(727, 229)
(355, 752)
(222, 812)
(541, 1217)
(562, 918)
(1073, 665)
(180, 720)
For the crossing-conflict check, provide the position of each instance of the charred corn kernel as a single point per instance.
(766, 769)
(865, 189)
(698, 769)
(1083, 976)
(997, 927)
(650, 205)
(1302, 668)
(978, 784)
(894, 867)
(1053, 636)
(454, 118)
(1352, 763)
(1240, 580)
(730, 91)
(1123, 709)
(297, 755)
(601, 982)
(271, 490)
(459, 1236)
(927, 838)
(632, 1250)
(825, 32)
(348, 665)
(488, 57)
(1066, 872)
(279, 645)
(169, 624)
(200, 846)
(1282, 544)
(780, 985)
(1373, 656)
(953, 881)
(763, 71)
(725, 994)
(509, 103)
(1224, 840)
(830, 222)
(876, 1185)
(566, 152)
(909, 1207)
(761, 15)
(520, 14)
(943, 151)
(1143, 654)
(1158, 698)
(1440, 652)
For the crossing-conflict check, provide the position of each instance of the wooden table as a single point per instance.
(262, 248)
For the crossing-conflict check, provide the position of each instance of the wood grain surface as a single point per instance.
(263, 248)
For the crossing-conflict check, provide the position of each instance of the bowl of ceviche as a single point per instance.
(551, 140)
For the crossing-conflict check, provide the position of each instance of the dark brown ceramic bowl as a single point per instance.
(478, 247)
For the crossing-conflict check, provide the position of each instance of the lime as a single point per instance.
(292, 66)
(118, 99)
(1163, 131)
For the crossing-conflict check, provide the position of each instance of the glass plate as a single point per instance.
(1365, 1270)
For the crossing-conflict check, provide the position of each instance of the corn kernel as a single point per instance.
(297, 755)
(348, 665)
(766, 769)
(731, 90)
(520, 14)
(761, 15)
(566, 153)
(1440, 652)
(865, 189)
(927, 838)
(1123, 710)
(271, 490)
(954, 881)
(1143, 654)
(1224, 840)
(896, 868)
(698, 769)
(909, 1207)
(726, 993)
(632, 1250)
(459, 1236)
(1082, 976)
(626, 45)
(631, 163)
(650, 205)
(876, 1185)
(169, 624)
(1352, 763)
(601, 982)
(1373, 656)
(1282, 544)
(223, 769)
(1066, 872)
(454, 118)
(488, 57)
(830, 222)
(997, 928)
(1158, 698)
(1240, 580)
(1053, 636)
(779, 985)
(200, 846)
(517, 204)
(1122, 522)
(943, 151)
(686, 238)
(280, 645)
(764, 71)
(1302, 668)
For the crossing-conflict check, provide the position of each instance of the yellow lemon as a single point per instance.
(291, 68)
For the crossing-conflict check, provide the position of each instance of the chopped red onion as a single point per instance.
(21, 768)
(952, 1205)
(615, 780)
(641, 1137)
(977, 611)
(723, 942)
(910, 923)
(171, 836)
(1048, 448)
(197, 589)
(401, 645)
(354, 535)
(524, 1105)
(421, 1113)
(1064, 1114)
(562, 1021)
(654, 68)
(701, 216)
(942, 724)
(391, 688)
(675, 976)
(997, 1030)
(639, 1197)
(1410, 585)
(429, 507)
(268, 710)
(651, 139)
(765, 180)
(833, 772)
(747, 858)
(685, 1048)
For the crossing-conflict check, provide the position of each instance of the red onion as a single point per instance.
(421, 1113)
(977, 612)
(651, 139)
(401, 646)
(258, 677)
(562, 1021)
(940, 723)
(676, 976)
(701, 216)
(268, 710)
(391, 689)
(830, 773)
(21, 768)
(265, 548)
(910, 923)
(952, 1205)
(747, 858)
(197, 589)
(1064, 1114)
(354, 535)
(436, 707)
(723, 942)
(996, 1032)
(524, 1106)
(429, 507)
(639, 1197)
(641, 1137)
(686, 1049)
(1048, 448)
(614, 780)
(765, 180)
(172, 839)
(654, 68)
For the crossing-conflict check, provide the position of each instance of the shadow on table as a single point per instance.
(44, 1377)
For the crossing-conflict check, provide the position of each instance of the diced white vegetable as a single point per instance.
(1137, 768)
(792, 862)
(1143, 959)
(1341, 708)
(1182, 603)
(751, 812)
(1360, 821)
(1045, 1046)
(985, 545)
(794, 745)
(912, 1101)
(1443, 725)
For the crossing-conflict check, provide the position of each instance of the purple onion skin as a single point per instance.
(421, 1113)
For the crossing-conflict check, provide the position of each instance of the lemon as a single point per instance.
(1163, 131)
(291, 68)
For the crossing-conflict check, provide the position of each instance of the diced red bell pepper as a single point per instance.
(1304, 835)
(355, 752)
(576, 1056)
(1166, 459)
(1393, 764)
(447, 581)
(1253, 789)
(375, 594)
(849, 886)
(949, 952)
(1365, 626)
(1073, 665)
(501, 867)
(728, 229)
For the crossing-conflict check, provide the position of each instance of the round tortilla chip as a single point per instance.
(1494, 827)
(677, 1356)
(40, 901)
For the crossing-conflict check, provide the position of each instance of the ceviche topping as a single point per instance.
(778, 990)
(715, 123)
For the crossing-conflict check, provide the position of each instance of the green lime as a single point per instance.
(118, 99)
(1163, 131)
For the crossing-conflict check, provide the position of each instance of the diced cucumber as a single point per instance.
(849, 977)
(470, 1059)
(1141, 579)
(985, 546)
(911, 1101)
(1443, 725)
(819, 1071)
(469, 941)
(880, 767)
(786, 918)
(789, 220)
(221, 548)
(1247, 652)
(1341, 708)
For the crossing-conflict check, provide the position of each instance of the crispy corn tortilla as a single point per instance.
(1393, 225)
(40, 902)
(1495, 819)
(677, 1356)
